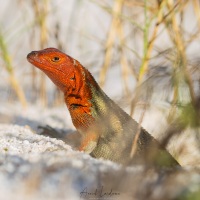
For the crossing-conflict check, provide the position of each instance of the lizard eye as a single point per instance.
(55, 59)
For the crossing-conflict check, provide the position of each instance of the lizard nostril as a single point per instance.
(32, 54)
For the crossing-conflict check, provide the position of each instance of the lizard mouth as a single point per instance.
(30, 59)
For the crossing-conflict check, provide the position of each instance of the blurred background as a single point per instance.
(144, 54)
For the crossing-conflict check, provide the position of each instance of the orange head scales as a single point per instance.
(71, 77)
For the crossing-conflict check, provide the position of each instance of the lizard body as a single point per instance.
(107, 131)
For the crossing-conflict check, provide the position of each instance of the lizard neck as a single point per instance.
(79, 100)
(85, 115)
(79, 108)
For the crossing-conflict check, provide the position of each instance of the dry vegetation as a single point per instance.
(154, 43)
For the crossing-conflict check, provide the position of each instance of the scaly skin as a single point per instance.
(107, 131)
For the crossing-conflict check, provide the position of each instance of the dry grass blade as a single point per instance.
(9, 68)
(123, 61)
(41, 11)
(134, 144)
(117, 9)
(177, 38)
(196, 6)
(148, 44)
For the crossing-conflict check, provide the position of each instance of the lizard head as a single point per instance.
(62, 69)
(72, 78)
